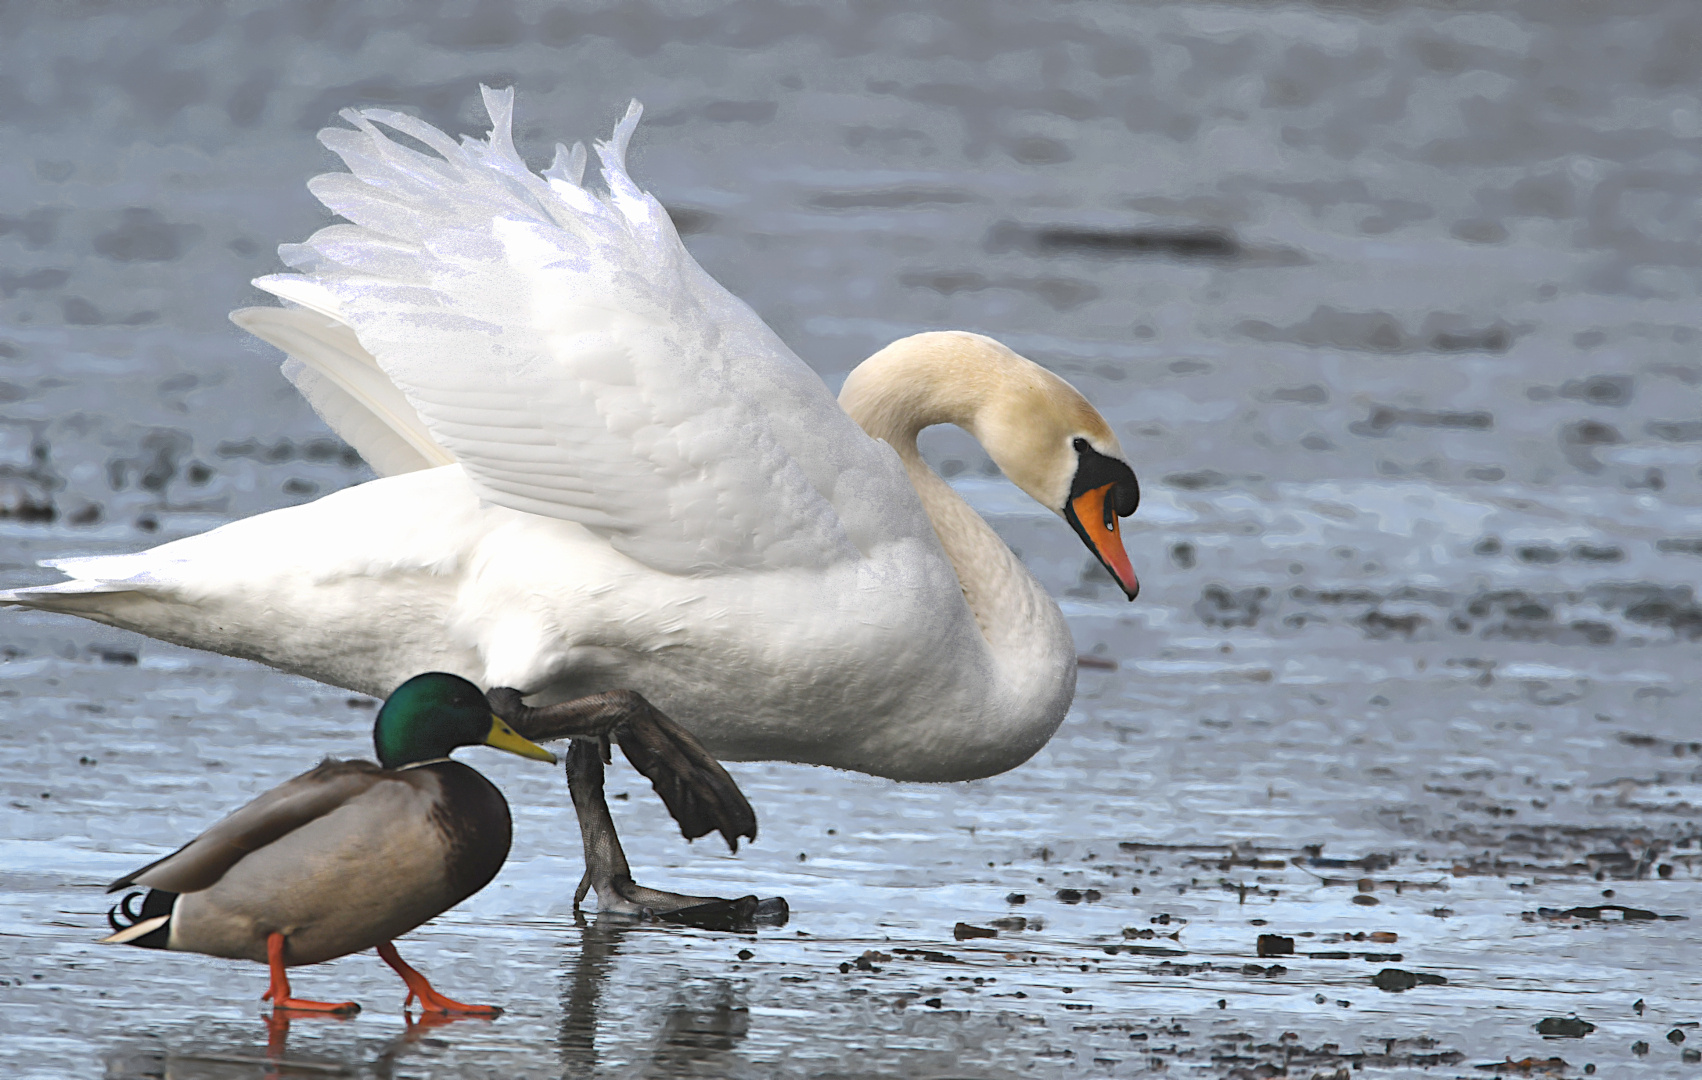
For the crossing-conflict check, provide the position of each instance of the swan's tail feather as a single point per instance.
(48, 597)
(99, 585)
(95, 600)
(346, 387)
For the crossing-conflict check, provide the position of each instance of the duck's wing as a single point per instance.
(200, 863)
(570, 354)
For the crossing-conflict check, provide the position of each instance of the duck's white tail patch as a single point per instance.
(131, 933)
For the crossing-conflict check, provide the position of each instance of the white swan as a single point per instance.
(602, 471)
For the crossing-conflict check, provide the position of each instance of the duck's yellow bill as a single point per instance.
(504, 737)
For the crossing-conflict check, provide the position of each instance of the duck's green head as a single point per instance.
(432, 714)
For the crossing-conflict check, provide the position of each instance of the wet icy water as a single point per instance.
(1394, 309)
(1195, 802)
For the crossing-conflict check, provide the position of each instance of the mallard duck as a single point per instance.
(603, 475)
(344, 857)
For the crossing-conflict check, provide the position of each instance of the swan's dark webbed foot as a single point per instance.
(695, 788)
(607, 872)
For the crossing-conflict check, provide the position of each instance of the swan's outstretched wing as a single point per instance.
(347, 388)
(568, 352)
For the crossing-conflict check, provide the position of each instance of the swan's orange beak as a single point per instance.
(1094, 514)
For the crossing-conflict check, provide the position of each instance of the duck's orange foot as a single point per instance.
(430, 1000)
(279, 992)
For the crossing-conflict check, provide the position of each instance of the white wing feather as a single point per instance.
(565, 348)
(347, 388)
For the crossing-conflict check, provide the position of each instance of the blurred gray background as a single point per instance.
(1392, 305)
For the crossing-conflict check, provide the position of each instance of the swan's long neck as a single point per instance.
(999, 590)
(962, 379)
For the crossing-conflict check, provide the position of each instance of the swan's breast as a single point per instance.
(874, 664)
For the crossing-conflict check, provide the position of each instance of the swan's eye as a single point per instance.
(1081, 446)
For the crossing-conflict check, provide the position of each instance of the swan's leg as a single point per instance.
(607, 872)
(606, 869)
(693, 785)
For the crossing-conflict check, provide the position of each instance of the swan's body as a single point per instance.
(607, 473)
(372, 584)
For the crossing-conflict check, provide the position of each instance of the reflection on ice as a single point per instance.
(689, 1036)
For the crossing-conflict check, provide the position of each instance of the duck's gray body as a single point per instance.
(338, 859)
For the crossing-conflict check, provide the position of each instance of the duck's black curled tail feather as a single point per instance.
(156, 908)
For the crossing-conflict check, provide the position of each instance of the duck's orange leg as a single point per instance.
(418, 987)
(279, 992)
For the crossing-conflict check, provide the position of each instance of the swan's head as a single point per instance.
(1035, 426)
(1051, 443)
